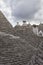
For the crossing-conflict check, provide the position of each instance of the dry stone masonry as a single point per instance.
(5, 26)
(19, 45)
(37, 59)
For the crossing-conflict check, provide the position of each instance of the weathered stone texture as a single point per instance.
(5, 26)
(14, 51)
(37, 59)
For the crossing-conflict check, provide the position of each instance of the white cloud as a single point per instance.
(39, 15)
(17, 10)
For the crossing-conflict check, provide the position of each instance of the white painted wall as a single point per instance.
(24, 24)
(40, 33)
(35, 30)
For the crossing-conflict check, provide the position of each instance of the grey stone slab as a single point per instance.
(1, 64)
(8, 64)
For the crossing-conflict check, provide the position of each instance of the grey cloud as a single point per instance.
(25, 9)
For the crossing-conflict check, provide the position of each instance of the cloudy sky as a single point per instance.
(19, 10)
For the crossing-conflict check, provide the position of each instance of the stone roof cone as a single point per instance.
(38, 58)
(5, 26)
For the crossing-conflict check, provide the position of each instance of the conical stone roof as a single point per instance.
(5, 26)
(38, 58)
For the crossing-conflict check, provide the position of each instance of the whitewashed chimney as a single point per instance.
(35, 29)
(24, 23)
(17, 23)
